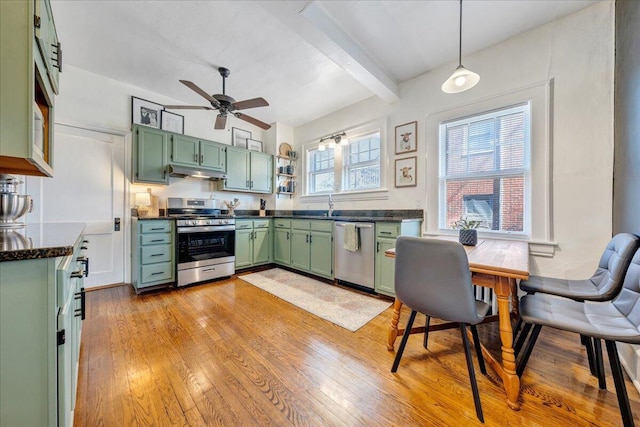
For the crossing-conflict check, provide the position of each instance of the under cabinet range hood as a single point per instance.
(186, 171)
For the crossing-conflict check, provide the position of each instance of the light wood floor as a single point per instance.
(228, 353)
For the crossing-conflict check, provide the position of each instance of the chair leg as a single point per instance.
(426, 331)
(521, 339)
(618, 379)
(516, 329)
(472, 374)
(528, 349)
(588, 343)
(403, 343)
(597, 352)
(476, 343)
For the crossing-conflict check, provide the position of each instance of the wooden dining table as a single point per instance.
(495, 264)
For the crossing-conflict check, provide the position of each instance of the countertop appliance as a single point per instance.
(355, 267)
(205, 241)
(12, 205)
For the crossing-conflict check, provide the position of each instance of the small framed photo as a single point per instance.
(239, 137)
(145, 112)
(172, 122)
(407, 138)
(253, 145)
(406, 172)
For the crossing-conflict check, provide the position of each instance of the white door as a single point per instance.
(89, 186)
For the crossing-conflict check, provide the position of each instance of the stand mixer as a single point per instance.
(12, 205)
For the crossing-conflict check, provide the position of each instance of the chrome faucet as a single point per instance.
(330, 206)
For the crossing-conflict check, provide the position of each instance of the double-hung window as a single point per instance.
(321, 171)
(362, 162)
(485, 169)
(343, 168)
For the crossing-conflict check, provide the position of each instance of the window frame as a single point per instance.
(538, 218)
(380, 193)
(524, 170)
(346, 166)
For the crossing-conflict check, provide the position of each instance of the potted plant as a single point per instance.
(467, 231)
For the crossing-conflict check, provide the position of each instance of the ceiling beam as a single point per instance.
(311, 22)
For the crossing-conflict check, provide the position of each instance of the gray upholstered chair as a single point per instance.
(604, 285)
(613, 321)
(432, 277)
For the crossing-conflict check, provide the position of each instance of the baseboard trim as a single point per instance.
(113, 285)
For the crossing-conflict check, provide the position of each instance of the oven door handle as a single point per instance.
(206, 228)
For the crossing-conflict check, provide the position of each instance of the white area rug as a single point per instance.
(342, 307)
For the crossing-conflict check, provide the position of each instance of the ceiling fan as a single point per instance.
(224, 104)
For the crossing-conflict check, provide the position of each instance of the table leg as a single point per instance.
(393, 329)
(515, 302)
(510, 379)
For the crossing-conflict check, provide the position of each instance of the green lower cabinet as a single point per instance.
(261, 246)
(152, 253)
(312, 247)
(321, 260)
(385, 268)
(386, 234)
(244, 248)
(253, 243)
(40, 329)
(282, 246)
(300, 250)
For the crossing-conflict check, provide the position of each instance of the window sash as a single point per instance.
(502, 157)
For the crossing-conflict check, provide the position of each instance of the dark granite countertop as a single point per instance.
(35, 241)
(342, 215)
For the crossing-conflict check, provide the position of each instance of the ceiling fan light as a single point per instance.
(461, 80)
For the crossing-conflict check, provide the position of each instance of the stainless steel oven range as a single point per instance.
(205, 243)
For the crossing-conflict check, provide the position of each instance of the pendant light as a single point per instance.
(461, 79)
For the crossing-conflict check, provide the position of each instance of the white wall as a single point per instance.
(96, 102)
(577, 53)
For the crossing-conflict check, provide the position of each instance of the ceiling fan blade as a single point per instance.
(253, 121)
(201, 92)
(187, 107)
(250, 103)
(221, 121)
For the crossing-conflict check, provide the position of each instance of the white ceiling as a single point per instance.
(306, 58)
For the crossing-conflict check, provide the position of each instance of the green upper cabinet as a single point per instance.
(261, 172)
(150, 148)
(248, 171)
(190, 151)
(28, 84)
(50, 47)
(238, 167)
(213, 155)
(185, 150)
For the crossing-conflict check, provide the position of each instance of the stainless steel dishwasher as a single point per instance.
(357, 268)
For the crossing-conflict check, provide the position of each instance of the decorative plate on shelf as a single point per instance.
(284, 149)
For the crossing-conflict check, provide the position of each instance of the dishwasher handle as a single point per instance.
(341, 224)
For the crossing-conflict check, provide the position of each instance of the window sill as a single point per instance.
(377, 194)
(537, 248)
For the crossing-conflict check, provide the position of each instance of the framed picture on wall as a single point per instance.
(406, 172)
(253, 145)
(172, 122)
(145, 112)
(407, 138)
(239, 137)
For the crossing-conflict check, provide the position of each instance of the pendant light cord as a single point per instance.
(460, 39)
